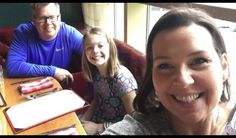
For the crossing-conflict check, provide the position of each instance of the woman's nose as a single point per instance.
(183, 78)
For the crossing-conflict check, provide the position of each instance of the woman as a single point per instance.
(185, 90)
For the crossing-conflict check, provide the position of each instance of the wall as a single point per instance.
(100, 15)
(136, 25)
(12, 14)
(72, 13)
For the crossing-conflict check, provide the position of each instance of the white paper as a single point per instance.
(36, 111)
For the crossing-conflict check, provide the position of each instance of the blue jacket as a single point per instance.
(28, 55)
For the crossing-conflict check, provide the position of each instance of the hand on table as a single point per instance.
(92, 128)
(62, 74)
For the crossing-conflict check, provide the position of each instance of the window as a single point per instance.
(154, 14)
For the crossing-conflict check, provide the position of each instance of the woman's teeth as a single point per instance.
(187, 99)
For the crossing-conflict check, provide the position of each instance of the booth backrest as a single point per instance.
(133, 59)
(6, 35)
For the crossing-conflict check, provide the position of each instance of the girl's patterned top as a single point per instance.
(110, 107)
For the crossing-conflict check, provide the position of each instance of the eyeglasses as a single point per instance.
(44, 19)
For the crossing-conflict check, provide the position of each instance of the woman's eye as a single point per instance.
(164, 66)
(199, 61)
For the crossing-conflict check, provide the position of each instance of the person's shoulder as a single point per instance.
(25, 26)
(68, 29)
(126, 80)
(25, 29)
(124, 71)
(67, 26)
(155, 122)
(127, 126)
(124, 74)
(230, 128)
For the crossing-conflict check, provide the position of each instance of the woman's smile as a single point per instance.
(188, 98)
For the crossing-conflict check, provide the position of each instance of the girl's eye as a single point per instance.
(89, 48)
(100, 45)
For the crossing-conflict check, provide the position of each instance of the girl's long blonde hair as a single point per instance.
(113, 61)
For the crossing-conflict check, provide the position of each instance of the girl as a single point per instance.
(114, 85)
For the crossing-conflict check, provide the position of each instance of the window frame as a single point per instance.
(227, 14)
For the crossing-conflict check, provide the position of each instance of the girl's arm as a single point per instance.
(88, 114)
(90, 127)
(127, 100)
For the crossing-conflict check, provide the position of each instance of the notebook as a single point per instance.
(34, 112)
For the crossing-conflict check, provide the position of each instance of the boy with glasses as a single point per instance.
(43, 46)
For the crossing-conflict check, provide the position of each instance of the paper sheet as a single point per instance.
(39, 110)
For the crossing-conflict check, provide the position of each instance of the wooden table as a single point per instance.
(12, 97)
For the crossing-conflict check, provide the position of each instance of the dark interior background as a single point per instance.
(12, 14)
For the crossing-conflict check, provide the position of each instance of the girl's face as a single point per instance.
(187, 72)
(97, 50)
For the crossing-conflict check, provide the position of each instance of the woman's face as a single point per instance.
(97, 50)
(187, 72)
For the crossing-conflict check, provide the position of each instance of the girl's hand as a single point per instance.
(92, 128)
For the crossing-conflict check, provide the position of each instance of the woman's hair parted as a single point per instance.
(175, 18)
(113, 61)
